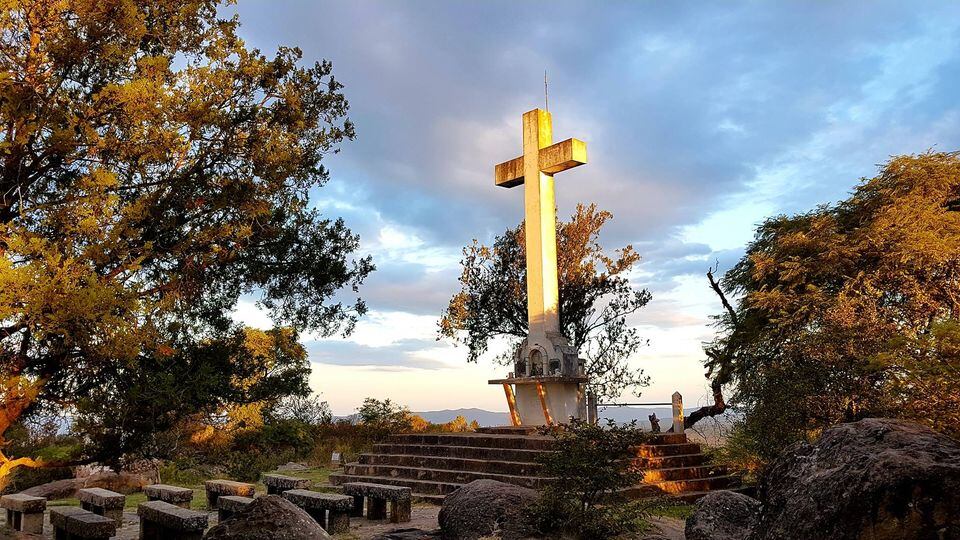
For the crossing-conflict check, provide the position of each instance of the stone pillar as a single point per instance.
(32, 523)
(338, 522)
(400, 511)
(115, 514)
(592, 413)
(678, 413)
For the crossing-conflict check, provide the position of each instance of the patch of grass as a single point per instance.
(671, 509)
(133, 499)
(64, 502)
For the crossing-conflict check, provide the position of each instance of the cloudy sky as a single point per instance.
(701, 119)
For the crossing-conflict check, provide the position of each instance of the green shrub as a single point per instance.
(590, 465)
(183, 472)
(248, 466)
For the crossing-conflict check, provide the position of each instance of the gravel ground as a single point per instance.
(423, 517)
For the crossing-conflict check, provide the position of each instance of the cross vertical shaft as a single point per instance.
(543, 309)
(548, 373)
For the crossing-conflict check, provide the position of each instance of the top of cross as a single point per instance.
(553, 158)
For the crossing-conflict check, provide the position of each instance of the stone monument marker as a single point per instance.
(548, 373)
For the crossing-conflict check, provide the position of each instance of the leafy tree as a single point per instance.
(153, 169)
(385, 415)
(306, 409)
(849, 310)
(128, 413)
(595, 299)
(459, 425)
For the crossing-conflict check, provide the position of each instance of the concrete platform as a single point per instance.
(433, 465)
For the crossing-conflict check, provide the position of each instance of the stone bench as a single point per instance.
(161, 520)
(229, 505)
(278, 483)
(216, 488)
(24, 512)
(377, 496)
(176, 495)
(72, 523)
(103, 502)
(319, 504)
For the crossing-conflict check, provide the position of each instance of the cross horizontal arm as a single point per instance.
(553, 159)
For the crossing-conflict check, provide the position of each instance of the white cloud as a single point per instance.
(249, 313)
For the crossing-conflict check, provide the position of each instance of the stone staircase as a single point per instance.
(433, 465)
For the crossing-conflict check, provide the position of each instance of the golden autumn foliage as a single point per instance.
(153, 169)
(851, 310)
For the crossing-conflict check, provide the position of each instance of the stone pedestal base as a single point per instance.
(32, 523)
(562, 400)
(547, 400)
(338, 522)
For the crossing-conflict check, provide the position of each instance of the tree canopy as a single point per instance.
(595, 299)
(849, 310)
(153, 169)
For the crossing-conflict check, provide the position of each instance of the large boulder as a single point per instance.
(268, 518)
(876, 478)
(723, 515)
(484, 508)
(64, 489)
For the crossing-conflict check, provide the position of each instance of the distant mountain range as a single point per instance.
(712, 431)
(621, 415)
(484, 418)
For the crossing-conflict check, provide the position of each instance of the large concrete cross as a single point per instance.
(541, 159)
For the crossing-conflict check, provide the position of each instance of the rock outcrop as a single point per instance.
(723, 515)
(125, 483)
(485, 508)
(877, 478)
(268, 518)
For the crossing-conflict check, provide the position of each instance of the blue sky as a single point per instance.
(701, 119)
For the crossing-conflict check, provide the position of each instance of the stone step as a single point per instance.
(676, 467)
(521, 468)
(659, 450)
(667, 438)
(508, 430)
(449, 476)
(676, 487)
(694, 496)
(684, 473)
(655, 438)
(651, 455)
(460, 476)
(455, 451)
(669, 462)
(420, 488)
(434, 491)
(484, 440)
